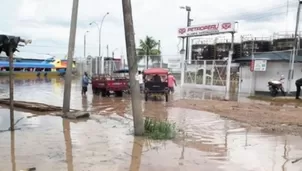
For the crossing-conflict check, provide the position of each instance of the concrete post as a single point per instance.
(72, 38)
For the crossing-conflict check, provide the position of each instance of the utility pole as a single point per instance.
(107, 50)
(182, 59)
(228, 74)
(253, 86)
(132, 65)
(113, 52)
(161, 58)
(84, 52)
(188, 25)
(85, 43)
(11, 88)
(292, 60)
(189, 20)
(100, 40)
(72, 38)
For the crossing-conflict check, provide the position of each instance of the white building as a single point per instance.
(277, 65)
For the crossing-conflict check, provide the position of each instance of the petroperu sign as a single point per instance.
(207, 29)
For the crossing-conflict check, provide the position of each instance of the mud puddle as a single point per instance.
(106, 143)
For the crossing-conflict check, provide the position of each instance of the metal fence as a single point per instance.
(212, 73)
(201, 72)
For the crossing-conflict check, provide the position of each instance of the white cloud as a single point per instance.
(47, 22)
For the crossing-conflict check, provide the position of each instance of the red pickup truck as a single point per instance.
(109, 84)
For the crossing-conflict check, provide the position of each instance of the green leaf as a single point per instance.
(148, 48)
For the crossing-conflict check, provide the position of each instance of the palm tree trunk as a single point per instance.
(147, 61)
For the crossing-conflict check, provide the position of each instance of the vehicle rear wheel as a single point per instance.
(97, 91)
(119, 93)
(167, 97)
(274, 92)
(146, 97)
(103, 93)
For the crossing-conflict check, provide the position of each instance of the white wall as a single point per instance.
(273, 71)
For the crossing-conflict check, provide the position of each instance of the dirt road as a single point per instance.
(271, 117)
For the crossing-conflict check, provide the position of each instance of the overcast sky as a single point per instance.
(47, 22)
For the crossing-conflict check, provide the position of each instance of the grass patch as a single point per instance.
(159, 130)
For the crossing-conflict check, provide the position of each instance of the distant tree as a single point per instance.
(148, 48)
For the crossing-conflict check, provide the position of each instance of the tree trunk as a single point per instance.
(132, 63)
(147, 61)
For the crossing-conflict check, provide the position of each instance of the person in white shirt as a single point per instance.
(139, 78)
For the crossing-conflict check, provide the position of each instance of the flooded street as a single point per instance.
(206, 141)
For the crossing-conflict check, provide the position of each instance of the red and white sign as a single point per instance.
(252, 65)
(207, 29)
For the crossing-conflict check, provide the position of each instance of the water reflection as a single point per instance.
(12, 150)
(205, 140)
(137, 151)
(208, 141)
(84, 103)
(111, 105)
(156, 110)
(285, 155)
(68, 144)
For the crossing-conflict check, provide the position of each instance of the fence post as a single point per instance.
(204, 75)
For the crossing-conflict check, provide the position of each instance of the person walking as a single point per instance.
(298, 85)
(171, 82)
(85, 82)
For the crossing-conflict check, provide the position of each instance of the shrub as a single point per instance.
(159, 130)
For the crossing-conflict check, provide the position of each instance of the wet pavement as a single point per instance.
(205, 141)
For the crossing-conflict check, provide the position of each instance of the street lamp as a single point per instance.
(99, 26)
(85, 43)
(182, 74)
(189, 20)
(84, 51)
(113, 52)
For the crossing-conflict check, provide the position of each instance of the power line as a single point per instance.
(266, 16)
(277, 6)
(267, 13)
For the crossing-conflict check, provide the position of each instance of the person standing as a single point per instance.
(139, 78)
(171, 82)
(85, 82)
(298, 85)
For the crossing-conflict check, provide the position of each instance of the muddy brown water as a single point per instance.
(105, 142)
